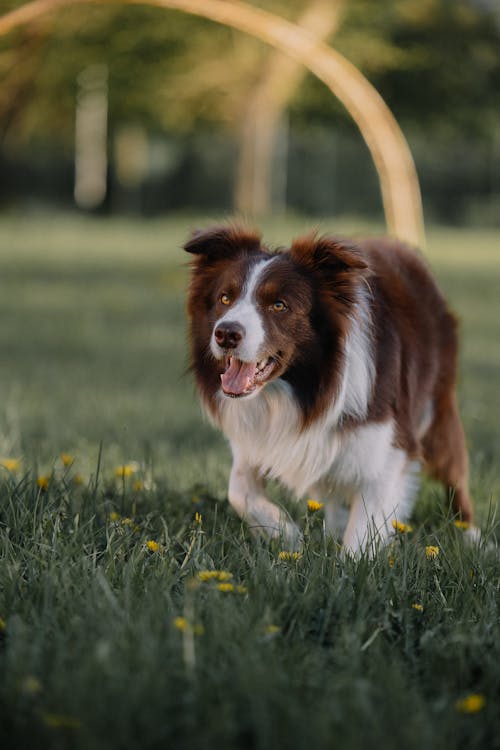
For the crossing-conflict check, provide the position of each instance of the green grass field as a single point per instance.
(316, 652)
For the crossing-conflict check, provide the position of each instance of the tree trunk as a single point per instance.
(263, 113)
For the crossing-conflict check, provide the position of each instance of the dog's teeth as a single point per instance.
(261, 364)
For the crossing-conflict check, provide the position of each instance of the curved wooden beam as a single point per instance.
(387, 144)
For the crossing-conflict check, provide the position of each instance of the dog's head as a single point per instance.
(256, 316)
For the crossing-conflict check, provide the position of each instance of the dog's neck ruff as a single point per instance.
(268, 428)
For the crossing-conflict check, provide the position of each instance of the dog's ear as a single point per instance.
(336, 265)
(331, 255)
(222, 242)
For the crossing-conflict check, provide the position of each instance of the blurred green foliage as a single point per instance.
(436, 62)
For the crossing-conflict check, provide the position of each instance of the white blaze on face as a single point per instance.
(245, 313)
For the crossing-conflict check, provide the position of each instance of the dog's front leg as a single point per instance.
(246, 495)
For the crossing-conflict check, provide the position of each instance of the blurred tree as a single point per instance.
(263, 112)
(436, 62)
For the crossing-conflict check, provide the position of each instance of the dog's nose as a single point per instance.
(228, 335)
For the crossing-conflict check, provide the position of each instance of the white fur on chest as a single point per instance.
(265, 433)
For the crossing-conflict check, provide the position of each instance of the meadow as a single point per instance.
(136, 611)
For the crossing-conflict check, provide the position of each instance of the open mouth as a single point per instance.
(242, 378)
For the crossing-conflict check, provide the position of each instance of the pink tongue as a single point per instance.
(238, 377)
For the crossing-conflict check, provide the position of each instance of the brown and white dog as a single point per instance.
(332, 367)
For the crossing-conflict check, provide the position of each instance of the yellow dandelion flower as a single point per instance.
(67, 459)
(153, 546)
(391, 562)
(272, 629)
(403, 528)
(43, 483)
(126, 470)
(3, 625)
(241, 589)
(11, 464)
(288, 556)
(226, 587)
(181, 623)
(207, 575)
(138, 486)
(418, 607)
(198, 518)
(31, 686)
(431, 552)
(471, 704)
(61, 721)
(462, 524)
(114, 516)
(214, 575)
(77, 479)
(313, 506)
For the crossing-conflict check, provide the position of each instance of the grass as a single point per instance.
(317, 652)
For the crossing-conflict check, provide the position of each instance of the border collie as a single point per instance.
(331, 367)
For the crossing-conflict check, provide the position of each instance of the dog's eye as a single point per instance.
(279, 306)
(225, 299)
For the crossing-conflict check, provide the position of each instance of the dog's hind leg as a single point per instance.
(381, 504)
(246, 495)
(445, 455)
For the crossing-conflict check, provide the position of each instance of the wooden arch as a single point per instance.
(387, 144)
